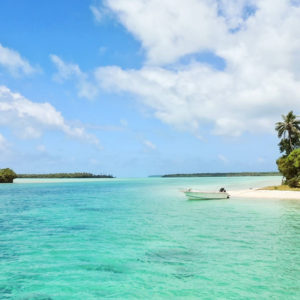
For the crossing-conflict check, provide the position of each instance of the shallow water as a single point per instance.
(141, 239)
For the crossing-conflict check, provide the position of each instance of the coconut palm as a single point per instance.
(289, 129)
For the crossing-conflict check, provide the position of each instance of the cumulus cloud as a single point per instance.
(181, 27)
(13, 61)
(67, 71)
(198, 95)
(261, 79)
(30, 119)
(235, 12)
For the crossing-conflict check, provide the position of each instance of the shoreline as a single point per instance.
(257, 193)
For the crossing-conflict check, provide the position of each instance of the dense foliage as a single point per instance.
(7, 175)
(289, 166)
(64, 175)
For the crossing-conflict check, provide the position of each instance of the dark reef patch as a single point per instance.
(36, 297)
(5, 292)
(170, 256)
(104, 268)
(97, 209)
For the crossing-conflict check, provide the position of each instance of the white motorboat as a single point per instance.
(201, 195)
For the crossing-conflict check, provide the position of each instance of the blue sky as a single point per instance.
(135, 88)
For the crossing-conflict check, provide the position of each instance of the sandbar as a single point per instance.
(264, 194)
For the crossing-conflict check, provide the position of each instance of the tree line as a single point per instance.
(8, 175)
(232, 174)
(65, 175)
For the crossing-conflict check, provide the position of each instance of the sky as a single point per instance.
(146, 87)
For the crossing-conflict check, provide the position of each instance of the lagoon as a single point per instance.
(141, 239)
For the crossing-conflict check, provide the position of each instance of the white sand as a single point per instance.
(264, 194)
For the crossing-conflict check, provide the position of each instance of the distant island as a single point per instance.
(64, 175)
(7, 175)
(233, 174)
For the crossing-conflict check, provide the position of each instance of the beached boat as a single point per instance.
(200, 195)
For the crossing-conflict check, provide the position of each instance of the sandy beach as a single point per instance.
(264, 194)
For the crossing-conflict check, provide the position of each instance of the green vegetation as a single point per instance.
(289, 166)
(289, 163)
(224, 174)
(7, 175)
(288, 131)
(64, 175)
(283, 187)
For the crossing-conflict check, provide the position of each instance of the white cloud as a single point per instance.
(66, 71)
(13, 61)
(149, 144)
(30, 119)
(198, 95)
(236, 12)
(169, 29)
(261, 79)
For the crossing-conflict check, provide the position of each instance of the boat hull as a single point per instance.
(206, 195)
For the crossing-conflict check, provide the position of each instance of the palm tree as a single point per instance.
(290, 127)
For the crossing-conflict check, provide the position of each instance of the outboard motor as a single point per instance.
(222, 190)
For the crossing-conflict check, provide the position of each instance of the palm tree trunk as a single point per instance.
(290, 140)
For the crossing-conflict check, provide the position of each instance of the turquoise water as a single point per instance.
(141, 239)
